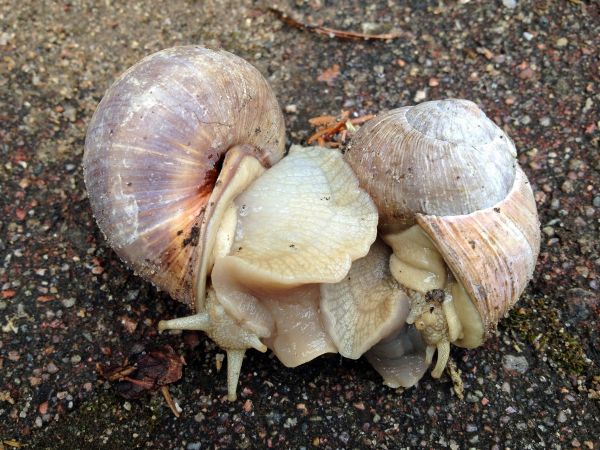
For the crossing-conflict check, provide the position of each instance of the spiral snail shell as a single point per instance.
(186, 177)
(154, 148)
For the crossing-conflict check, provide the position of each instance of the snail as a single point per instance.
(309, 253)
(459, 214)
(184, 170)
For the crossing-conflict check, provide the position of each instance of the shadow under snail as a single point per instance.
(423, 234)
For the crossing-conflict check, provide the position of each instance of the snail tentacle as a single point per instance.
(235, 358)
(197, 322)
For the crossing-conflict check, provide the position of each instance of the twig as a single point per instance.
(326, 132)
(329, 126)
(332, 32)
(321, 121)
(363, 119)
(167, 395)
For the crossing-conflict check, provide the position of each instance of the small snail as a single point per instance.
(186, 177)
(457, 211)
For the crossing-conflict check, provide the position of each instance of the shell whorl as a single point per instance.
(491, 251)
(154, 148)
(440, 158)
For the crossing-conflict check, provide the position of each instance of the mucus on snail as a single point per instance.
(186, 177)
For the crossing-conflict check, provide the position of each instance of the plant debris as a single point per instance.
(146, 371)
(457, 383)
(333, 131)
(10, 443)
(332, 32)
(330, 74)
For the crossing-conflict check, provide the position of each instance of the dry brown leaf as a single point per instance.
(330, 74)
(145, 371)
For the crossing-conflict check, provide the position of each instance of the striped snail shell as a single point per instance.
(154, 150)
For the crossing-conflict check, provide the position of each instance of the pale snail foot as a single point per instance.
(436, 319)
(225, 332)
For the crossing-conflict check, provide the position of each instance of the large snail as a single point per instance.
(186, 177)
(459, 214)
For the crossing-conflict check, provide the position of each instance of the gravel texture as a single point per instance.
(68, 303)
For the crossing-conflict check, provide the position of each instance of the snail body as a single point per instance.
(182, 166)
(186, 177)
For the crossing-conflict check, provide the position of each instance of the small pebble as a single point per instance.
(562, 417)
(43, 408)
(515, 363)
(344, 437)
(471, 398)
(526, 73)
(290, 422)
(71, 114)
(420, 96)
(68, 302)
(567, 187)
(51, 368)
(561, 42)
(510, 4)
